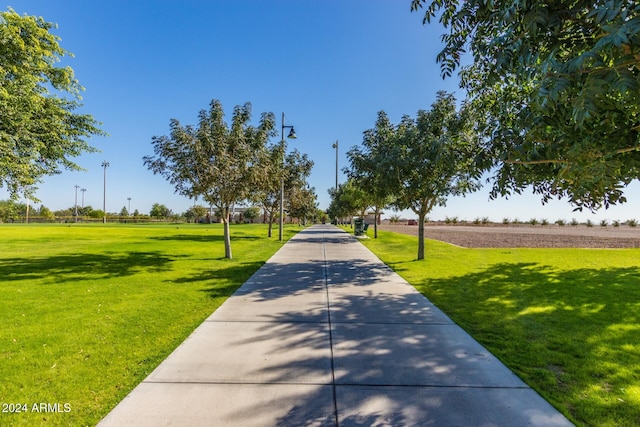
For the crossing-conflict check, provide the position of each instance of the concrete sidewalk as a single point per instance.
(325, 334)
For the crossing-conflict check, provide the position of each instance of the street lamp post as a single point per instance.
(336, 147)
(76, 202)
(83, 190)
(292, 135)
(129, 209)
(105, 165)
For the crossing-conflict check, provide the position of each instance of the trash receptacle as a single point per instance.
(358, 229)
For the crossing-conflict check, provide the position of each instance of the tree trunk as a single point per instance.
(227, 235)
(375, 223)
(270, 223)
(421, 217)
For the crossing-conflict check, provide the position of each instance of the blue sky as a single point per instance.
(329, 65)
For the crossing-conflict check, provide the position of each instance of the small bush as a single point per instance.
(616, 223)
(544, 221)
(604, 223)
(561, 222)
(589, 223)
(574, 222)
(485, 220)
(451, 220)
(533, 221)
(632, 223)
(506, 221)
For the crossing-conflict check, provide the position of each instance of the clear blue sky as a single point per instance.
(329, 65)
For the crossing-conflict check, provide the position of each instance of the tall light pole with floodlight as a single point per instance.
(129, 210)
(83, 191)
(105, 165)
(336, 147)
(292, 135)
(76, 202)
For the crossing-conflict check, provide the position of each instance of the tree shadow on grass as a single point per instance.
(223, 281)
(573, 335)
(83, 266)
(202, 238)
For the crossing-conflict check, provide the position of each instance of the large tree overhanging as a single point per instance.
(40, 132)
(214, 160)
(558, 84)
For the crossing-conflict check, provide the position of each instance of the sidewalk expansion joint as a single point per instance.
(435, 386)
(333, 372)
(267, 383)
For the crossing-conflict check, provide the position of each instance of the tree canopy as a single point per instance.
(294, 172)
(347, 200)
(557, 84)
(420, 162)
(214, 160)
(40, 132)
(368, 166)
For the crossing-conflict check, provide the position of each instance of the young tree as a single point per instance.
(194, 213)
(214, 160)
(267, 192)
(349, 200)
(431, 158)
(160, 211)
(39, 130)
(295, 171)
(45, 213)
(368, 166)
(251, 213)
(302, 203)
(300, 199)
(559, 86)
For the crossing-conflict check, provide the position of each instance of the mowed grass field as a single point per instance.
(567, 321)
(88, 311)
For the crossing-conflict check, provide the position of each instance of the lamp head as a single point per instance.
(292, 133)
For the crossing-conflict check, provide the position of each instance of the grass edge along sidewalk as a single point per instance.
(88, 311)
(565, 320)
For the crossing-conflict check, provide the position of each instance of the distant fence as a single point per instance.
(90, 220)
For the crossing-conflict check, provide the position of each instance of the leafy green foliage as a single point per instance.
(195, 213)
(348, 200)
(39, 130)
(213, 160)
(294, 172)
(422, 161)
(300, 199)
(367, 171)
(557, 84)
(160, 211)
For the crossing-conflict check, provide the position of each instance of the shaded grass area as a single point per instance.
(88, 311)
(567, 321)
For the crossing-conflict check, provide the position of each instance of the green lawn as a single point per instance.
(567, 321)
(88, 311)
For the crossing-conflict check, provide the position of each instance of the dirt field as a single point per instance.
(526, 236)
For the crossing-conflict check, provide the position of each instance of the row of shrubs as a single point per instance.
(534, 221)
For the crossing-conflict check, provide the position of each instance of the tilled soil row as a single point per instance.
(503, 237)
